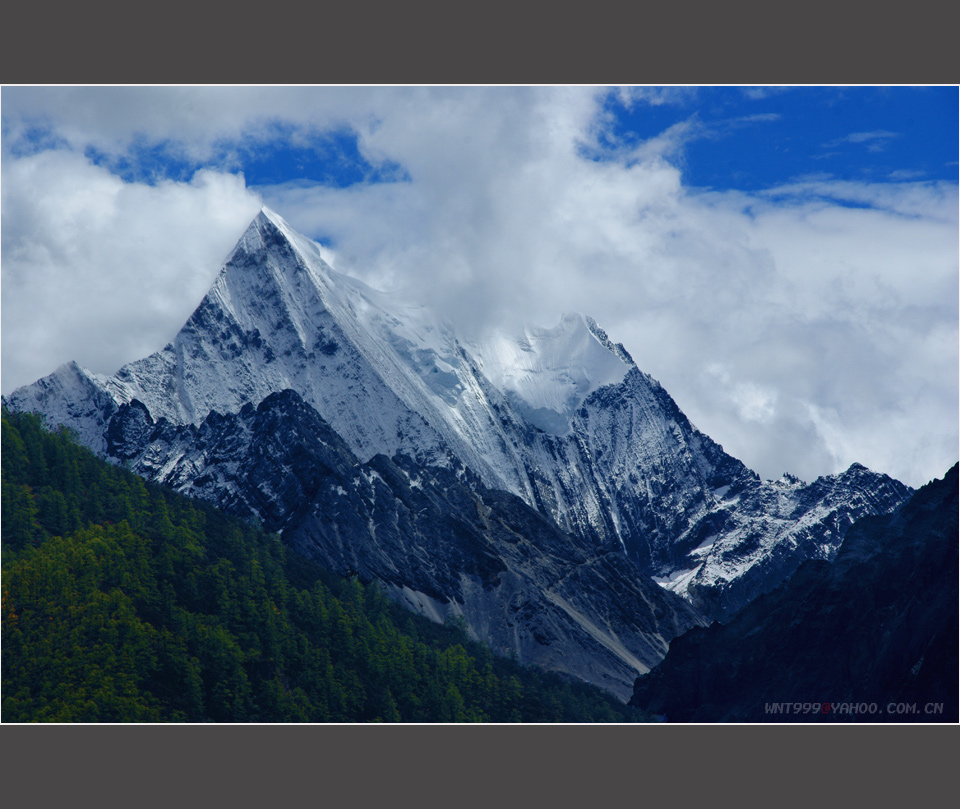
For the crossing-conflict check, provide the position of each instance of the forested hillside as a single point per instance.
(123, 601)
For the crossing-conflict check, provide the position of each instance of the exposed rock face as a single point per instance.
(436, 537)
(876, 626)
(760, 533)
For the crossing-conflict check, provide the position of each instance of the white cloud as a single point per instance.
(102, 271)
(197, 122)
(656, 96)
(753, 403)
(801, 333)
(863, 137)
(761, 93)
(900, 175)
(875, 140)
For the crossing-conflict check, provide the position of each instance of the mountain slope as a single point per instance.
(124, 601)
(435, 536)
(876, 626)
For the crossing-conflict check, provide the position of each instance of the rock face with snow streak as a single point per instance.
(758, 534)
(561, 418)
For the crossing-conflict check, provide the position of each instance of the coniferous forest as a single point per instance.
(126, 602)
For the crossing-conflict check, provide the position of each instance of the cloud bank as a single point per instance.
(805, 327)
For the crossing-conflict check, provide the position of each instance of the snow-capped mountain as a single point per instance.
(561, 418)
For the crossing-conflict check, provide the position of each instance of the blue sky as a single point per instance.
(783, 260)
(748, 139)
(330, 158)
(753, 139)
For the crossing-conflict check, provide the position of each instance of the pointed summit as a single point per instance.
(278, 317)
(269, 235)
(272, 233)
(252, 237)
(271, 216)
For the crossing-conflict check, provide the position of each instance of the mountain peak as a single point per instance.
(547, 373)
(269, 234)
(271, 215)
(273, 220)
